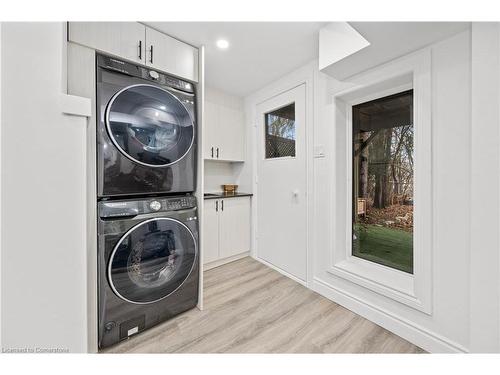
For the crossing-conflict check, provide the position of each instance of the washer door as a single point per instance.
(149, 125)
(151, 260)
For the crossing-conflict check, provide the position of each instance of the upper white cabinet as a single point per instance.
(224, 136)
(210, 134)
(231, 132)
(171, 55)
(136, 42)
(124, 39)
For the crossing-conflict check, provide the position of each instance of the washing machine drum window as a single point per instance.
(151, 260)
(149, 125)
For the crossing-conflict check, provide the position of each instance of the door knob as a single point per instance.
(295, 193)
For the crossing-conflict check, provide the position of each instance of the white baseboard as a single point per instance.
(294, 278)
(411, 332)
(221, 262)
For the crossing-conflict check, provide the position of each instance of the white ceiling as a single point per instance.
(390, 40)
(259, 52)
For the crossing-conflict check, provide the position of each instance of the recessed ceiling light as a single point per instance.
(222, 44)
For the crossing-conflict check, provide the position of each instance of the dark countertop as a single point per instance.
(225, 195)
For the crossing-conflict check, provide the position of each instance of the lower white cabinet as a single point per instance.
(210, 230)
(226, 228)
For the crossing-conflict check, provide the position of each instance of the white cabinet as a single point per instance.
(226, 228)
(171, 55)
(136, 42)
(234, 227)
(231, 132)
(123, 39)
(210, 230)
(211, 130)
(224, 136)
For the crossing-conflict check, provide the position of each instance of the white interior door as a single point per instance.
(281, 182)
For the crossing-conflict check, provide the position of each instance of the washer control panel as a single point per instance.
(154, 74)
(178, 203)
(128, 208)
(155, 205)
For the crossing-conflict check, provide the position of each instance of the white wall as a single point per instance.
(446, 329)
(465, 173)
(1, 208)
(220, 172)
(485, 221)
(42, 194)
(217, 96)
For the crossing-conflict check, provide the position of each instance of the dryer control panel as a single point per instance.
(125, 67)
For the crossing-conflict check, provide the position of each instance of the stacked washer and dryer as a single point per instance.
(147, 216)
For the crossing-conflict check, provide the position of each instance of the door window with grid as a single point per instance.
(280, 132)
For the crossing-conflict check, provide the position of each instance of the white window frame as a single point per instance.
(415, 290)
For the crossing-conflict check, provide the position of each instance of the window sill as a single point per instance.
(395, 284)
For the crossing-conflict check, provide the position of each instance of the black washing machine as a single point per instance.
(148, 263)
(146, 131)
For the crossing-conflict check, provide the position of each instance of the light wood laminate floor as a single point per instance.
(250, 308)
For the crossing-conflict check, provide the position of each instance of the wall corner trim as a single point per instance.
(75, 105)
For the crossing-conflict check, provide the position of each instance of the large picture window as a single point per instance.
(382, 184)
(382, 189)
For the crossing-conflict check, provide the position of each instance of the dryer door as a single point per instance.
(152, 260)
(149, 125)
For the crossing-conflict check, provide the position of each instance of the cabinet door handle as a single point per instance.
(222, 205)
(217, 152)
(212, 152)
(216, 206)
(140, 49)
(151, 56)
